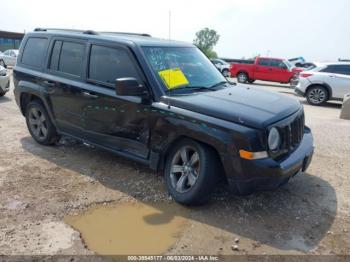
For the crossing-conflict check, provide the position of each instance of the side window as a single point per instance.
(264, 62)
(346, 69)
(107, 64)
(276, 63)
(34, 51)
(71, 58)
(337, 69)
(7, 52)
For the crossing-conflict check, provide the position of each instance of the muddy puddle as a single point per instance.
(131, 228)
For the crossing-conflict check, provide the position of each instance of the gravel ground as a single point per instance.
(40, 185)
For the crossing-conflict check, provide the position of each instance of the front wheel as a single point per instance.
(317, 95)
(39, 124)
(242, 77)
(191, 172)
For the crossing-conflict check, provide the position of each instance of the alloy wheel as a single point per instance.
(317, 96)
(185, 168)
(37, 123)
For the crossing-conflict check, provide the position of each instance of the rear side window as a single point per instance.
(107, 64)
(337, 69)
(34, 51)
(71, 58)
(264, 62)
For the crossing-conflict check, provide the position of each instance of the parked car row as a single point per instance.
(223, 66)
(4, 81)
(8, 58)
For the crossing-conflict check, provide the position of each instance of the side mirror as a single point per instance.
(129, 86)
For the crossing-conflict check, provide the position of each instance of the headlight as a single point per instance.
(274, 139)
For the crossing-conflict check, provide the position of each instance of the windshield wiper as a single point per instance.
(219, 84)
(197, 88)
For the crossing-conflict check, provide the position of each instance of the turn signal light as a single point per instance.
(252, 155)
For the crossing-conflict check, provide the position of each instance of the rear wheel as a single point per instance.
(317, 95)
(39, 124)
(242, 77)
(191, 172)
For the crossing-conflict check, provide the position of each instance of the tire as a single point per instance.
(2, 94)
(38, 120)
(242, 77)
(250, 81)
(226, 73)
(317, 95)
(203, 172)
(2, 63)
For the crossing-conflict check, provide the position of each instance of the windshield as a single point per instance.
(183, 68)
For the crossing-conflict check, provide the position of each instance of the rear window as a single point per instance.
(34, 51)
(107, 64)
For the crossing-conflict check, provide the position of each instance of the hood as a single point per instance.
(243, 105)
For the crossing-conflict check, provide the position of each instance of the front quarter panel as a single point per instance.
(172, 123)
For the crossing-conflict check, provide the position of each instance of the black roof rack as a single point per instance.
(126, 33)
(88, 32)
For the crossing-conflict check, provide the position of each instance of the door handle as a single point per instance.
(49, 83)
(89, 95)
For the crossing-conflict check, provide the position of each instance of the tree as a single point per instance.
(205, 40)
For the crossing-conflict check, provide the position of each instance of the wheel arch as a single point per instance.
(171, 145)
(325, 85)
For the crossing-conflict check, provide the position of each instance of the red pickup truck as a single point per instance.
(264, 68)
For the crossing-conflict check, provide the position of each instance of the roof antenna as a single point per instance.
(169, 24)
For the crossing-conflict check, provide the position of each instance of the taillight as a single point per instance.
(305, 75)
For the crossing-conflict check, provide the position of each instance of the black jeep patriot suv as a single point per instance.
(161, 103)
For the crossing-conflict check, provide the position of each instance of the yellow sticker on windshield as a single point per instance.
(173, 78)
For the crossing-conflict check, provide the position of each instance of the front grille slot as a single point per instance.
(294, 132)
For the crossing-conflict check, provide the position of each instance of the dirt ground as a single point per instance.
(40, 185)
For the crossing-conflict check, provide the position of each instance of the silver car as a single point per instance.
(327, 81)
(8, 58)
(4, 81)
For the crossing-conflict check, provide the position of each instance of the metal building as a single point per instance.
(10, 40)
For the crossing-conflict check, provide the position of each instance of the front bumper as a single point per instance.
(267, 174)
(4, 83)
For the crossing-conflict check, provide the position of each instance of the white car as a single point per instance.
(327, 81)
(223, 66)
(4, 81)
(8, 58)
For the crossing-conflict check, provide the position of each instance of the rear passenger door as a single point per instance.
(64, 82)
(263, 69)
(340, 79)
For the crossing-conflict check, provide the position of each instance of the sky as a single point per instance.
(315, 29)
